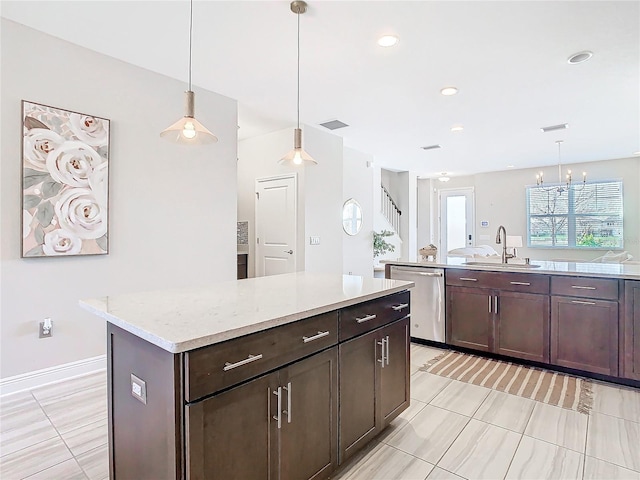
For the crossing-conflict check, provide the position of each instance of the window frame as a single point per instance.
(571, 216)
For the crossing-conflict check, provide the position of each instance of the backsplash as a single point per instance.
(243, 233)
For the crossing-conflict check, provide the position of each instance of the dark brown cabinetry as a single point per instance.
(505, 313)
(242, 265)
(631, 330)
(260, 430)
(584, 326)
(374, 384)
(261, 406)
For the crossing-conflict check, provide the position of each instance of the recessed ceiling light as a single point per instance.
(457, 128)
(553, 128)
(387, 40)
(443, 177)
(447, 91)
(580, 57)
(636, 153)
(431, 147)
(511, 166)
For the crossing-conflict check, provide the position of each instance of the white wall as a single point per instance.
(319, 193)
(357, 250)
(408, 202)
(500, 200)
(172, 218)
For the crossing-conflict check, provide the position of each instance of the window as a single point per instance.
(581, 216)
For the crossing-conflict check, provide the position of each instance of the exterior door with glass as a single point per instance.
(456, 219)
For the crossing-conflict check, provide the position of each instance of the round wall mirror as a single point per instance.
(351, 217)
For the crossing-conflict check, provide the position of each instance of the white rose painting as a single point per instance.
(65, 188)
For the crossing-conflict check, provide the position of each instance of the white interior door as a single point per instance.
(276, 199)
(456, 219)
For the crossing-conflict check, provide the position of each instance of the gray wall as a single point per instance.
(358, 184)
(319, 193)
(172, 208)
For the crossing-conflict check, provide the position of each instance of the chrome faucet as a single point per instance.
(503, 241)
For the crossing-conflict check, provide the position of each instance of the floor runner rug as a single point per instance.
(545, 386)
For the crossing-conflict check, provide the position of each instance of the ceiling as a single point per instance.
(507, 58)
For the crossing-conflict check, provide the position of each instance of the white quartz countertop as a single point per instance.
(183, 319)
(576, 269)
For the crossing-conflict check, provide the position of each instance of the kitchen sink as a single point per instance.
(502, 265)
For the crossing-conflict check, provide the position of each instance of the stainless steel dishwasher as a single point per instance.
(427, 300)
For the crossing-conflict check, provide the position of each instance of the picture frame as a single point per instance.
(65, 182)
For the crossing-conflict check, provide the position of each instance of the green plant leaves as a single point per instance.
(39, 234)
(44, 214)
(32, 177)
(30, 201)
(102, 242)
(35, 252)
(50, 188)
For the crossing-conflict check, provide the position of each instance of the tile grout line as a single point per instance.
(586, 440)
(515, 452)
(73, 457)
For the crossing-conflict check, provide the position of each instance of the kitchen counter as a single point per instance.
(184, 319)
(578, 269)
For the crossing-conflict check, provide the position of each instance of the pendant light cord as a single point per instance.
(190, 38)
(298, 14)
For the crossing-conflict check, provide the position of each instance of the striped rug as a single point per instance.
(545, 386)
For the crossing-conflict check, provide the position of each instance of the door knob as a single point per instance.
(290, 252)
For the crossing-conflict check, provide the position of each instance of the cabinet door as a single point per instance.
(522, 326)
(469, 317)
(631, 325)
(308, 437)
(394, 370)
(358, 421)
(233, 434)
(584, 334)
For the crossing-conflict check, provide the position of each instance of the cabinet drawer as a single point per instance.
(222, 365)
(468, 278)
(514, 282)
(521, 282)
(366, 316)
(601, 288)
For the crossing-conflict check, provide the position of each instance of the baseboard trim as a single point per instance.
(46, 376)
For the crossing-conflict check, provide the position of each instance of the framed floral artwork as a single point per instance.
(65, 182)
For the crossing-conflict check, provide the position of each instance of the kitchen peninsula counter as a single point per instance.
(579, 269)
(283, 376)
(565, 315)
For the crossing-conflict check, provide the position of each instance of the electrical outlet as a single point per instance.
(45, 329)
(138, 389)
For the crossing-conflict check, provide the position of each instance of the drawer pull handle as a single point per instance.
(315, 337)
(521, 283)
(583, 303)
(467, 279)
(251, 358)
(397, 308)
(580, 287)
(365, 319)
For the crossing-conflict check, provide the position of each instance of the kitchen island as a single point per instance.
(275, 377)
(582, 318)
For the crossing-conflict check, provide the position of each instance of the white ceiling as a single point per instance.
(508, 59)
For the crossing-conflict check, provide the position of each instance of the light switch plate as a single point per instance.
(138, 389)
(314, 240)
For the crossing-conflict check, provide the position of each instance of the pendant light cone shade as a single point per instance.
(188, 130)
(298, 156)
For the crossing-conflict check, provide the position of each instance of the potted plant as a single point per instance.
(380, 245)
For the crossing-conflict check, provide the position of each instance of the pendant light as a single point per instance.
(298, 156)
(560, 188)
(188, 130)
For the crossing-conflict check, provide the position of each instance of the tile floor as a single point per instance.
(452, 430)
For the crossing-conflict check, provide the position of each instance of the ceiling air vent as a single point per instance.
(553, 128)
(431, 147)
(334, 124)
